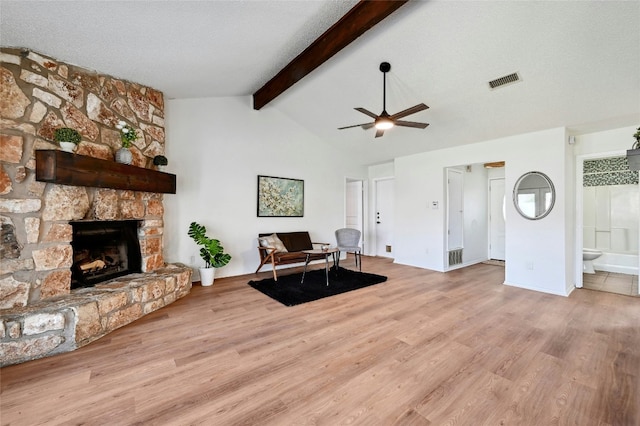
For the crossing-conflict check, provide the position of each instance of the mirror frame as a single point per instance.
(516, 187)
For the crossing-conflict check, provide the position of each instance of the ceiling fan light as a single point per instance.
(383, 123)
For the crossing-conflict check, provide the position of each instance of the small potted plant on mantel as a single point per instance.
(160, 161)
(211, 252)
(67, 138)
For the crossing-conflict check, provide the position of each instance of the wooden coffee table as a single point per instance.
(327, 253)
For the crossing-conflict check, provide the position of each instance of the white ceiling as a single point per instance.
(579, 61)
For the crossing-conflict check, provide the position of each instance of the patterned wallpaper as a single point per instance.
(608, 171)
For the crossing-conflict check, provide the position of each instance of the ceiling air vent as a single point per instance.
(507, 79)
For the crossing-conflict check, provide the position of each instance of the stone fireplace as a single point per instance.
(46, 306)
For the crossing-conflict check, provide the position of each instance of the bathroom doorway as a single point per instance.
(608, 215)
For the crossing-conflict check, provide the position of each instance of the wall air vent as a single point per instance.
(455, 257)
(507, 79)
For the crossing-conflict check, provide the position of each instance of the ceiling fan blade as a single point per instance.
(379, 133)
(409, 111)
(410, 124)
(364, 126)
(367, 112)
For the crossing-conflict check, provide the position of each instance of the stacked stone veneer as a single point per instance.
(39, 314)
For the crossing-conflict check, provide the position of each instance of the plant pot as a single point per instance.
(206, 276)
(124, 156)
(67, 146)
(633, 159)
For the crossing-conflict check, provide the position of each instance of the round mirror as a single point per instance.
(534, 195)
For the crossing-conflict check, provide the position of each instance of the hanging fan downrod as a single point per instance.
(383, 122)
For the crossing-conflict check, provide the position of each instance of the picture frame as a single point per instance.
(280, 197)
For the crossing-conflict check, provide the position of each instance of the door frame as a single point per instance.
(490, 216)
(448, 207)
(363, 208)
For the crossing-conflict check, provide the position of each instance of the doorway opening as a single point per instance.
(476, 228)
(607, 223)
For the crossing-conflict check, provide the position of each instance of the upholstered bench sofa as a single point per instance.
(280, 248)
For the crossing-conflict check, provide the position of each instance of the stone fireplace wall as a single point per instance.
(37, 95)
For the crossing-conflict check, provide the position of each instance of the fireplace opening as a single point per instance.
(103, 250)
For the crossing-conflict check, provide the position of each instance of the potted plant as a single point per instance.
(67, 138)
(160, 161)
(211, 252)
(128, 135)
(633, 154)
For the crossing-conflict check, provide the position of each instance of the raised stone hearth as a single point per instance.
(40, 314)
(64, 323)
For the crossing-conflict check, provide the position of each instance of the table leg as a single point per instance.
(326, 267)
(306, 262)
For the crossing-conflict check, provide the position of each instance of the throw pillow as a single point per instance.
(273, 241)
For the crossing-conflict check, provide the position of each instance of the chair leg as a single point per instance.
(273, 267)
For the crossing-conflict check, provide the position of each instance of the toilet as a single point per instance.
(588, 256)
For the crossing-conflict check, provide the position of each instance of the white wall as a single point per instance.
(609, 141)
(536, 251)
(217, 147)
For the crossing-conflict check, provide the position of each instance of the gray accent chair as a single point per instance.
(348, 240)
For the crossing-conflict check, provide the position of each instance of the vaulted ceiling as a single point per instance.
(579, 62)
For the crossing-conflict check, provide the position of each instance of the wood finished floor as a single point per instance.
(612, 282)
(423, 348)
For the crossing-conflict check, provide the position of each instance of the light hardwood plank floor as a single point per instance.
(612, 282)
(423, 348)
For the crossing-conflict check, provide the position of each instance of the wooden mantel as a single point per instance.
(66, 168)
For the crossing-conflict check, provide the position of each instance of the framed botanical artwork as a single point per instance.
(280, 197)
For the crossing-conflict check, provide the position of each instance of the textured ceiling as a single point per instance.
(579, 61)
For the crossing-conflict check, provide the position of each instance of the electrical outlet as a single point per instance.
(192, 260)
(530, 266)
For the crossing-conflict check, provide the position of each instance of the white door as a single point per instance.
(353, 207)
(496, 219)
(455, 210)
(384, 218)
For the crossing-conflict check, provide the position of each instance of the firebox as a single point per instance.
(103, 250)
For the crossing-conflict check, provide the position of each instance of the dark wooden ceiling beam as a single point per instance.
(356, 22)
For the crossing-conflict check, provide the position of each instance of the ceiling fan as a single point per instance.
(384, 121)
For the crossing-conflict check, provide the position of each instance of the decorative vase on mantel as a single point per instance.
(124, 156)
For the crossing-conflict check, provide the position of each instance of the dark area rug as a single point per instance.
(288, 290)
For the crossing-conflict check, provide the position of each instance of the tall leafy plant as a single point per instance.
(211, 251)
